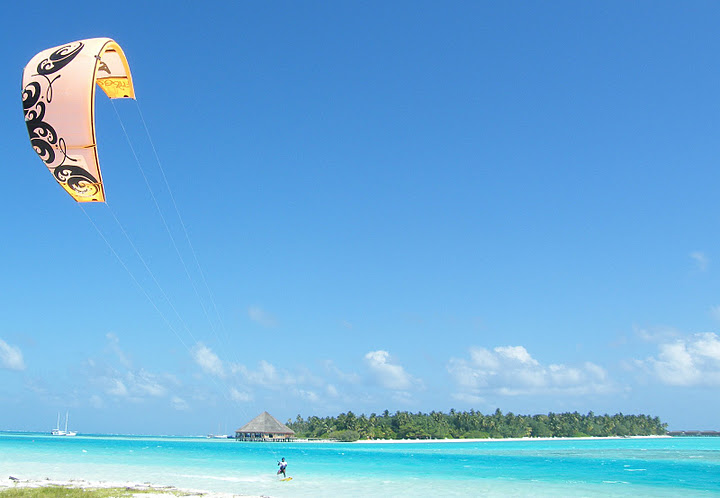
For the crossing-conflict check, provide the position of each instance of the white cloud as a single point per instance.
(512, 371)
(11, 357)
(516, 354)
(688, 361)
(388, 375)
(701, 261)
(261, 316)
(146, 383)
(117, 387)
(117, 381)
(596, 371)
(125, 382)
(266, 375)
(707, 346)
(242, 396)
(178, 403)
(208, 360)
(484, 359)
(114, 343)
(307, 395)
(301, 382)
(134, 385)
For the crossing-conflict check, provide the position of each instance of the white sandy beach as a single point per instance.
(144, 490)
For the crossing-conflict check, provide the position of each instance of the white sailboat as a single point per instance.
(59, 432)
(219, 435)
(56, 431)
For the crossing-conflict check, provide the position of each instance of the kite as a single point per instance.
(59, 106)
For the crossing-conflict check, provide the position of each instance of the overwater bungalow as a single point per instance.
(694, 433)
(264, 427)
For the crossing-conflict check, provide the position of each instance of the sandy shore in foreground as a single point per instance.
(374, 441)
(145, 490)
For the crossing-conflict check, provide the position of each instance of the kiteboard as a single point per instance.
(286, 479)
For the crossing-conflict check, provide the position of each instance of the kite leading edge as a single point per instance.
(59, 106)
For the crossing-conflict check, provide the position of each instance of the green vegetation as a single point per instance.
(472, 424)
(71, 492)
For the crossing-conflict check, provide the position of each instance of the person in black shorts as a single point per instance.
(283, 466)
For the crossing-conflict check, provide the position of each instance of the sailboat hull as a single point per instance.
(59, 432)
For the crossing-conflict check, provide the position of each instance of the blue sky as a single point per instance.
(388, 205)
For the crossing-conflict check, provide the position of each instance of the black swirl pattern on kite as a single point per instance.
(31, 95)
(78, 179)
(59, 59)
(43, 137)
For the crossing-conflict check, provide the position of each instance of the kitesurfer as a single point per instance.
(283, 466)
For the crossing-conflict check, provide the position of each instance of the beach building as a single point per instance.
(264, 427)
(694, 433)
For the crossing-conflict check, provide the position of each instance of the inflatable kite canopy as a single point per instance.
(59, 107)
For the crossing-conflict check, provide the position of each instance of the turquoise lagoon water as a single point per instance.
(685, 467)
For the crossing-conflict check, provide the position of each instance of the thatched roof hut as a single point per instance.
(264, 427)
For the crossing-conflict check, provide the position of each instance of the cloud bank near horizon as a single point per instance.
(508, 371)
(512, 371)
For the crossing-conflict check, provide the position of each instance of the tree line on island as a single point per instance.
(473, 424)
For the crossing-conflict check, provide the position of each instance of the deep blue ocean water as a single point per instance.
(684, 467)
